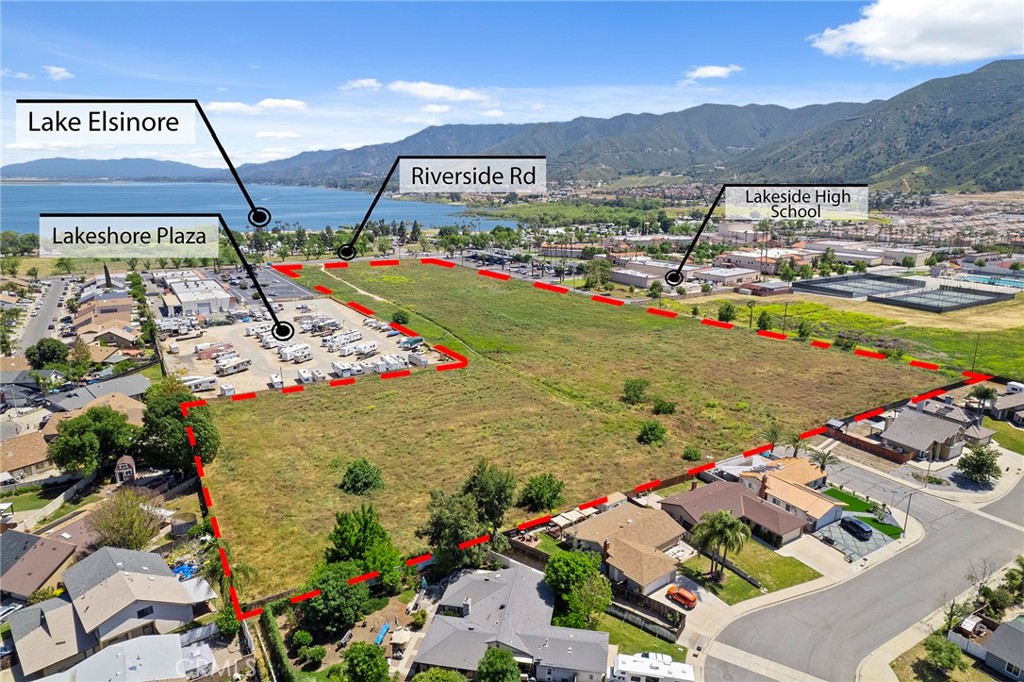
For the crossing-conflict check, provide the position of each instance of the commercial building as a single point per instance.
(729, 277)
(872, 254)
(767, 261)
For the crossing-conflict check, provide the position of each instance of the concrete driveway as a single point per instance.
(852, 546)
(828, 633)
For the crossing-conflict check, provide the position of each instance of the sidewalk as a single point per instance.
(833, 573)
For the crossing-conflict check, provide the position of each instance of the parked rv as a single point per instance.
(234, 366)
(305, 376)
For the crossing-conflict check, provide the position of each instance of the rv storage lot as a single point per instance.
(541, 394)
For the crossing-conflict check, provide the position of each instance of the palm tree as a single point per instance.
(719, 533)
(821, 458)
(772, 434)
(984, 394)
(213, 570)
(750, 307)
(1014, 579)
(794, 441)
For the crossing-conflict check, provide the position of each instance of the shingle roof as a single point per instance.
(641, 564)
(947, 411)
(915, 430)
(642, 525)
(1007, 642)
(569, 648)
(48, 633)
(22, 451)
(131, 385)
(105, 582)
(1008, 401)
(32, 562)
(738, 499)
(119, 402)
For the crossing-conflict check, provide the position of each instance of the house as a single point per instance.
(112, 596)
(30, 562)
(151, 658)
(974, 432)
(25, 455)
(793, 469)
(767, 521)
(121, 337)
(511, 609)
(923, 435)
(999, 645)
(130, 407)
(18, 388)
(636, 524)
(93, 324)
(1005, 406)
(816, 509)
(642, 568)
(131, 385)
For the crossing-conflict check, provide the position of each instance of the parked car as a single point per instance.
(856, 527)
(8, 610)
(682, 596)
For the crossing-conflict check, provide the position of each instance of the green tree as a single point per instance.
(984, 394)
(494, 490)
(365, 662)
(339, 605)
(226, 621)
(92, 440)
(943, 654)
(312, 655)
(634, 391)
(33, 272)
(301, 638)
(706, 288)
(497, 665)
(46, 352)
(860, 266)
(652, 433)
(361, 478)
(750, 307)
(805, 271)
(598, 273)
(588, 598)
(354, 531)
(772, 434)
(980, 464)
(212, 568)
(453, 519)
(566, 571)
(164, 441)
(764, 320)
(719, 533)
(542, 492)
(7, 345)
(42, 594)
(123, 521)
(907, 262)
(804, 330)
(65, 265)
(656, 289)
(1013, 580)
(726, 311)
(439, 675)
(786, 272)
(400, 316)
(695, 310)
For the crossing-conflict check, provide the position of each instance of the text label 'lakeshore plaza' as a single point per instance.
(106, 123)
(523, 175)
(129, 237)
(810, 202)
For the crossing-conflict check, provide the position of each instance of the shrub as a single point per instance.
(361, 478)
(400, 316)
(226, 622)
(374, 604)
(691, 454)
(664, 407)
(278, 653)
(633, 391)
(313, 655)
(726, 311)
(419, 619)
(651, 433)
(301, 638)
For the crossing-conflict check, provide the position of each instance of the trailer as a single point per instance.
(227, 390)
(391, 363)
(234, 366)
(257, 329)
(201, 384)
(367, 348)
(305, 376)
(276, 381)
(173, 349)
(350, 349)
(288, 353)
(418, 360)
(226, 351)
(411, 343)
(319, 375)
(200, 347)
(302, 356)
(226, 359)
(341, 369)
(214, 351)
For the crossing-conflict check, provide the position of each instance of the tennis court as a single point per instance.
(857, 286)
(943, 299)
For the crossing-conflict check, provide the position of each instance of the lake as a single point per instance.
(313, 208)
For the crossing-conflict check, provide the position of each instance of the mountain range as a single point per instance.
(965, 132)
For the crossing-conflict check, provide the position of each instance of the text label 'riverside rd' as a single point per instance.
(523, 175)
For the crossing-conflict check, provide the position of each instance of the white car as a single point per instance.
(34, 313)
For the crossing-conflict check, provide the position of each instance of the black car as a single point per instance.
(856, 527)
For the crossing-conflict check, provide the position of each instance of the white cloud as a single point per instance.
(20, 75)
(436, 108)
(370, 84)
(493, 113)
(277, 135)
(421, 120)
(445, 93)
(287, 104)
(260, 107)
(710, 71)
(901, 32)
(58, 73)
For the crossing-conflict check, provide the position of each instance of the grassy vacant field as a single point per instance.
(772, 570)
(633, 640)
(948, 339)
(541, 394)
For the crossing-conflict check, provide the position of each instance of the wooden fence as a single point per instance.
(868, 446)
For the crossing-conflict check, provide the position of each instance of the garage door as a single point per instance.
(204, 309)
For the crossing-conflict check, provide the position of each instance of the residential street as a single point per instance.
(828, 633)
(35, 327)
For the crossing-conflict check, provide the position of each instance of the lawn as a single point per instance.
(36, 499)
(541, 394)
(913, 666)
(853, 503)
(1007, 435)
(773, 571)
(633, 640)
(154, 372)
(892, 531)
(548, 545)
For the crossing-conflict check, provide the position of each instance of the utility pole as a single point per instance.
(785, 316)
(977, 340)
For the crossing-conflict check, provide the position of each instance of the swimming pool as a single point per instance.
(999, 281)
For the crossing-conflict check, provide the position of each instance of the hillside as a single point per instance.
(61, 168)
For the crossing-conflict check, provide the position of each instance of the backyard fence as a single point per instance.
(637, 620)
(868, 446)
(58, 501)
(199, 634)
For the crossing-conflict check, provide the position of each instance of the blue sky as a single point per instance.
(278, 78)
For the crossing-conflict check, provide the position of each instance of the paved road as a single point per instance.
(36, 327)
(828, 633)
(1010, 507)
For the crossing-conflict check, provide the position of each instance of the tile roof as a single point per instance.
(22, 451)
(792, 469)
(641, 525)
(813, 503)
(740, 501)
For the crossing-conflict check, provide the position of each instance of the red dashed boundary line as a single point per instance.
(459, 362)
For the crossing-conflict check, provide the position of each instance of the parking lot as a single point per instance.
(267, 362)
(275, 285)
